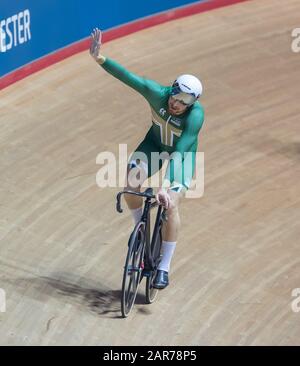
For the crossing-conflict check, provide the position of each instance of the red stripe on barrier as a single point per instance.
(121, 31)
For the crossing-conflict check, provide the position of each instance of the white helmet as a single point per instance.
(187, 89)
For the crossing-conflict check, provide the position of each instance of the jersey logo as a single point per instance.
(176, 122)
(162, 111)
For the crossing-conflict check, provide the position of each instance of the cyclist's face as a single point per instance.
(176, 107)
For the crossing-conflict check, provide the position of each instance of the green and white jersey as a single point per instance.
(172, 133)
(168, 132)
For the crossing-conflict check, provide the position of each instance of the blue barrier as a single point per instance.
(31, 29)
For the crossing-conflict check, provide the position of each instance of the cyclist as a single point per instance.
(177, 117)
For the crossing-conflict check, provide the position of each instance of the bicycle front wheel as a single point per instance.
(133, 268)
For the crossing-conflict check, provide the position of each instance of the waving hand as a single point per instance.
(96, 37)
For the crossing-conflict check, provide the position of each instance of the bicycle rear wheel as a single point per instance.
(133, 268)
(151, 292)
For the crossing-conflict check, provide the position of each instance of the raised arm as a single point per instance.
(143, 86)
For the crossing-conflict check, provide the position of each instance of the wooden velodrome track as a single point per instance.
(238, 257)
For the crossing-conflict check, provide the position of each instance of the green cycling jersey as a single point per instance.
(168, 132)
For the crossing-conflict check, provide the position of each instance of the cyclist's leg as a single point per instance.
(172, 226)
(179, 184)
(169, 235)
(138, 170)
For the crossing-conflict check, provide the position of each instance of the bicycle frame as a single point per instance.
(150, 264)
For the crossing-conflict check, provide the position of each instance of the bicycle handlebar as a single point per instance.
(147, 194)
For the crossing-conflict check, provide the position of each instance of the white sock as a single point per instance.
(137, 214)
(168, 248)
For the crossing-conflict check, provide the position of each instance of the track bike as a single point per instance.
(144, 252)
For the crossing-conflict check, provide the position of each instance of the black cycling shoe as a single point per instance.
(161, 280)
